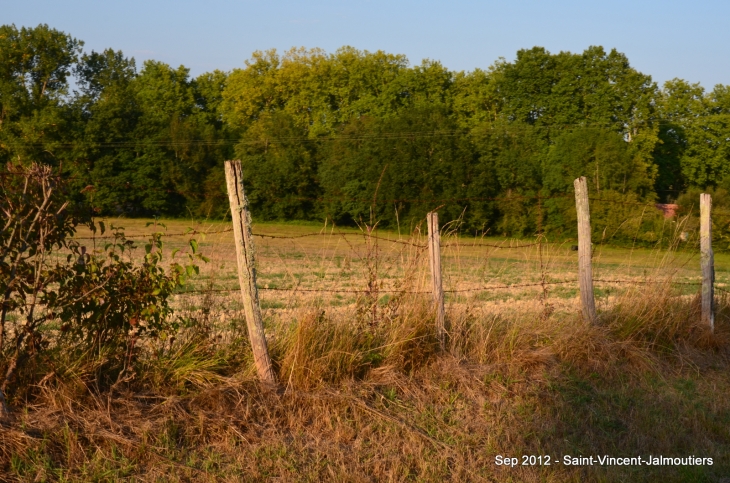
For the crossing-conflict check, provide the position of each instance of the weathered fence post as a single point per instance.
(434, 258)
(707, 261)
(585, 272)
(247, 271)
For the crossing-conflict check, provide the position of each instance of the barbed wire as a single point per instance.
(404, 242)
(299, 289)
(396, 290)
(506, 287)
(261, 235)
(647, 282)
(465, 244)
(492, 245)
(662, 206)
(150, 235)
(472, 289)
(459, 243)
(335, 234)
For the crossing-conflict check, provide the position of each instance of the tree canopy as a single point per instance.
(354, 134)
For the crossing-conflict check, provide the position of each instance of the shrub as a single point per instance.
(63, 298)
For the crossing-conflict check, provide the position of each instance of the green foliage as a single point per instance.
(696, 152)
(63, 296)
(35, 64)
(100, 301)
(151, 139)
(400, 178)
(279, 169)
(354, 134)
(513, 132)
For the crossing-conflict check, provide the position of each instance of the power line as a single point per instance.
(481, 131)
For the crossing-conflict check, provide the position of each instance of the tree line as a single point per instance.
(354, 136)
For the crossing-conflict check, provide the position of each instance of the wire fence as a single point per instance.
(506, 245)
(384, 290)
(369, 236)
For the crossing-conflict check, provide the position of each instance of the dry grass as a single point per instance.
(365, 393)
(331, 261)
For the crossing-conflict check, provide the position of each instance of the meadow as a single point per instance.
(132, 364)
(365, 393)
(313, 261)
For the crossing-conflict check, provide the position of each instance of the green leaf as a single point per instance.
(193, 245)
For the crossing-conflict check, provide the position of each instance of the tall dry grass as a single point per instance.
(366, 395)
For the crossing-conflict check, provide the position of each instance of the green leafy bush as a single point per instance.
(57, 296)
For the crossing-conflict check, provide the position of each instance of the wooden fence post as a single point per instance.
(585, 272)
(247, 271)
(707, 261)
(434, 258)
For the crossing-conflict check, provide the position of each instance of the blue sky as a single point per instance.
(664, 39)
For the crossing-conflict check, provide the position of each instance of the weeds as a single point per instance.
(381, 402)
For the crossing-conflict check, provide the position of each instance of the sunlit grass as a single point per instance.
(365, 393)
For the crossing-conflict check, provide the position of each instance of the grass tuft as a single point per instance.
(368, 395)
